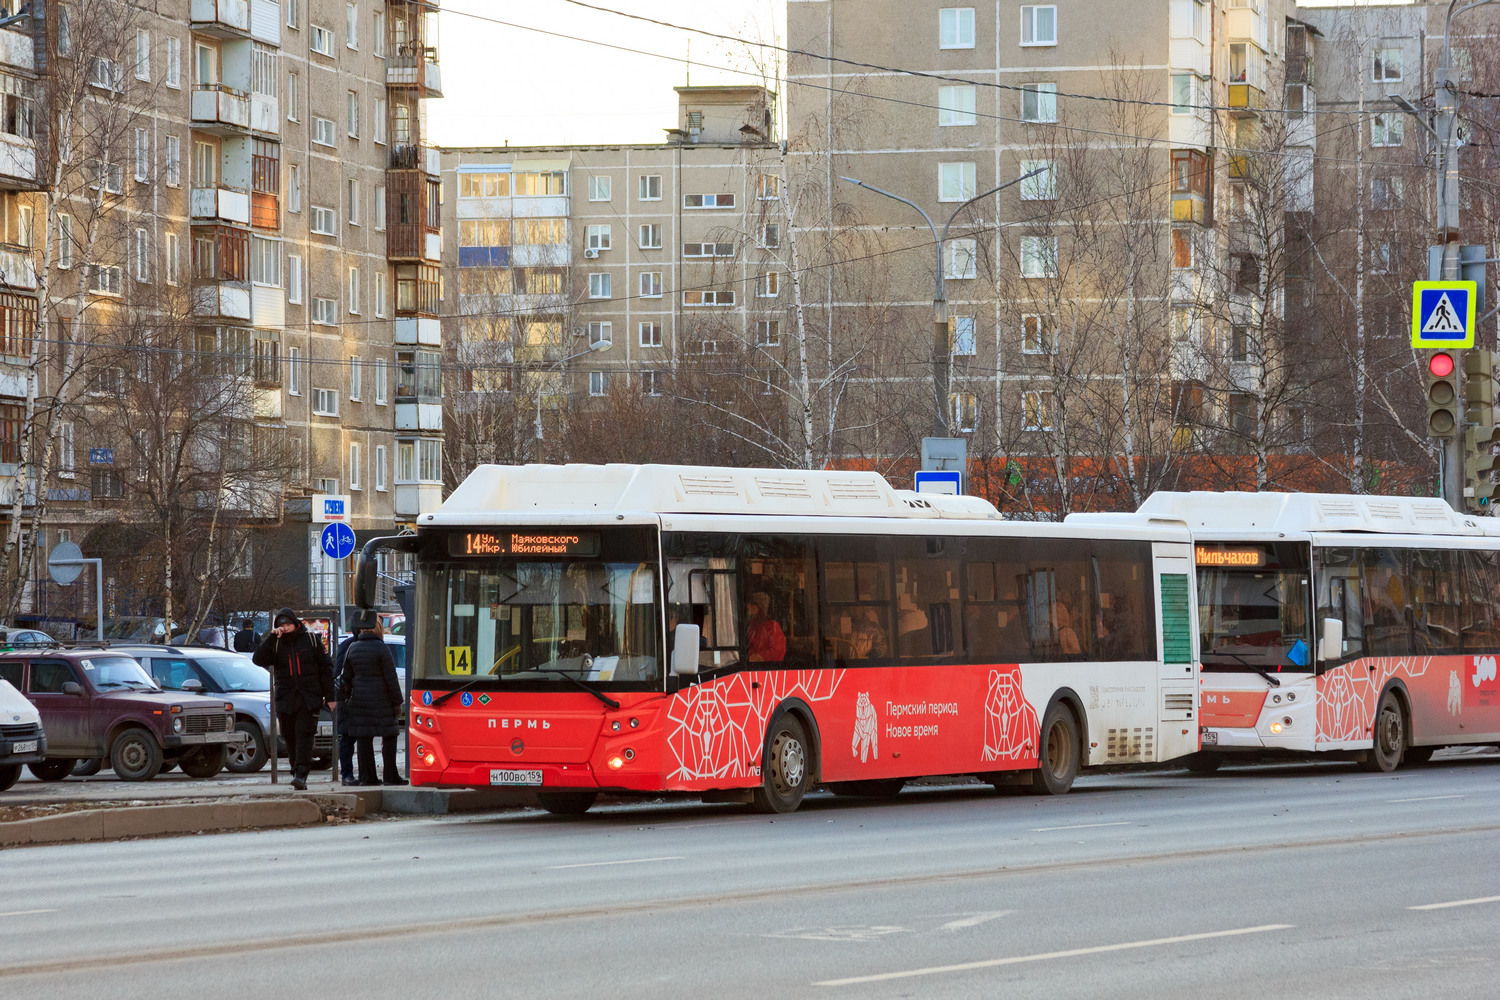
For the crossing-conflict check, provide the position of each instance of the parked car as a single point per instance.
(217, 636)
(22, 739)
(98, 703)
(138, 628)
(26, 638)
(222, 674)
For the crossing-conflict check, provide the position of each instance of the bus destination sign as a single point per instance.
(573, 544)
(1225, 555)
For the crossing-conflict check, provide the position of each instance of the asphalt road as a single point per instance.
(1303, 881)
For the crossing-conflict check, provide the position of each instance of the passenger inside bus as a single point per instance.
(765, 638)
(1067, 637)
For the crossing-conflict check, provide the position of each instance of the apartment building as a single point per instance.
(589, 271)
(265, 187)
(1083, 301)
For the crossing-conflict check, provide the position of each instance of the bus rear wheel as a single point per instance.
(1057, 762)
(784, 768)
(567, 803)
(1390, 737)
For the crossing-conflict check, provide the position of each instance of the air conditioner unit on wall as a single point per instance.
(590, 253)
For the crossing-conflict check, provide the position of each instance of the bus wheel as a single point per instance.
(875, 788)
(1203, 763)
(1390, 737)
(1057, 764)
(784, 768)
(567, 803)
(1413, 755)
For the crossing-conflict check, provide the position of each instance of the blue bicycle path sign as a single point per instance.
(337, 540)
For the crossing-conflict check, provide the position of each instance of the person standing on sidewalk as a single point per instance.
(244, 639)
(373, 700)
(341, 725)
(304, 684)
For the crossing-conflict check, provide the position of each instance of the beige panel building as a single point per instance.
(589, 271)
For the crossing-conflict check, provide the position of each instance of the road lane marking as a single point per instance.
(1427, 798)
(1080, 826)
(601, 864)
(25, 913)
(1442, 906)
(973, 921)
(1050, 955)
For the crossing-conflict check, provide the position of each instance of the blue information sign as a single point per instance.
(951, 482)
(337, 540)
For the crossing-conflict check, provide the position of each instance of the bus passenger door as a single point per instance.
(1177, 650)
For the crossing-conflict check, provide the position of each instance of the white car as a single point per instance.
(22, 740)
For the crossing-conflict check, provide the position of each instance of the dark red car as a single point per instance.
(99, 703)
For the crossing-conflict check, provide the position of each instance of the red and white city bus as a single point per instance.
(744, 635)
(1354, 625)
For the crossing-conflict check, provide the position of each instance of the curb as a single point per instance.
(146, 821)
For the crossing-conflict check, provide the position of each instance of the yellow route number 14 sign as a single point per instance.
(459, 660)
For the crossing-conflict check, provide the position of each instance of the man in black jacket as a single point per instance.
(244, 639)
(303, 676)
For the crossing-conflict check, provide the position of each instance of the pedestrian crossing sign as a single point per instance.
(1442, 313)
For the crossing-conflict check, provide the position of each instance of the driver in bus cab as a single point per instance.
(767, 641)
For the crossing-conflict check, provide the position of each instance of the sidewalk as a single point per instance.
(101, 807)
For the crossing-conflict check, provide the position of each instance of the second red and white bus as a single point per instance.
(743, 634)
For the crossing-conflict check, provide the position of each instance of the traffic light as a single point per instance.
(1479, 387)
(1442, 395)
(1483, 432)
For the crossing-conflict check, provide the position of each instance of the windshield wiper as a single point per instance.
(458, 690)
(582, 686)
(1271, 679)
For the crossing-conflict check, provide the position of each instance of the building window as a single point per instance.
(354, 291)
(169, 251)
(1036, 334)
(1036, 410)
(106, 73)
(956, 181)
(598, 383)
(380, 453)
(379, 121)
(1386, 193)
(294, 188)
(325, 221)
(960, 258)
(770, 235)
(323, 131)
(351, 200)
(430, 461)
(650, 187)
(325, 311)
(356, 460)
(141, 251)
(597, 238)
(961, 338)
(1041, 187)
(294, 278)
(174, 62)
(956, 105)
(1039, 102)
(767, 187)
(768, 285)
(380, 293)
(325, 402)
(105, 279)
(964, 407)
(956, 28)
(377, 34)
(768, 333)
(708, 201)
(1183, 96)
(650, 237)
(17, 324)
(351, 112)
(322, 41)
(1039, 25)
(142, 155)
(1380, 258)
(600, 188)
(265, 261)
(107, 484)
(351, 25)
(708, 298)
(1386, 130)
(380, 381)
(650, 384)
(294, 371)
(1386, 67)
(1038, 256)
(599, 285)
(174, 161)
(650, 284)
(293, 96)
(66, 458)
(708, 249)
(601, 335)
(380, 209)
(650, 334)
(1182, 248)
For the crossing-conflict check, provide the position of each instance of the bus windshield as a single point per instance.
(592, 615)
(1252, 607)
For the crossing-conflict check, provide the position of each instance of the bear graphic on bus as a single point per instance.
(866, 729)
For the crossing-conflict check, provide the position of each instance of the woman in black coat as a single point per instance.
(373, 703)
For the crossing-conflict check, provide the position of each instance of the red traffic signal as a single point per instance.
(1440, 364)
(1442, 395)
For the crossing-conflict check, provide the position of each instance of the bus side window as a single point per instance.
(1339, 596)
(1126, 616)
(702, 591)
(780, 594)
(1480, 620)
(927, 597)
(1387, 609)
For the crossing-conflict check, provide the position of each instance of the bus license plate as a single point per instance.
(510, 777)
(29, 746)
(1210, 737)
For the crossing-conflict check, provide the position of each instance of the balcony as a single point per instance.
(418, 498)
(415, 66)
(267, 404)
(17, 159)
(413, 414)
(220, 110)
(220, 204)
(16, 49)
(221, 301)
(267, 306)
(222, 18)
(419, 330)
(1247, 78)
(17, 268)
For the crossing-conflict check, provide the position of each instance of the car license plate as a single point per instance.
(1210, 737)
(510, 777)
(27, 746)
(325, 729)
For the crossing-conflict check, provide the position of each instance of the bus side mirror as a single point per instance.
(685, 651)
(1331, 645)
(366, 564)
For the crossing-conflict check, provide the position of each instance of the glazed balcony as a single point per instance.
(220, 109)
(222, 18)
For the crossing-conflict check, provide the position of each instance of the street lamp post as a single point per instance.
(941, 350)
(601, 345)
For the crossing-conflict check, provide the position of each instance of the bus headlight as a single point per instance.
(1275, 727)
(616, 762)
(431, 759)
